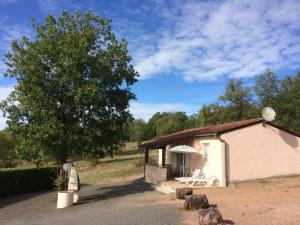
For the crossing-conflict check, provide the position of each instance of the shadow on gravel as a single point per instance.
(115, 191)
(10, 200)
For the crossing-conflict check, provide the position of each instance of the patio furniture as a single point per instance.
(206, 180)
(196, 174)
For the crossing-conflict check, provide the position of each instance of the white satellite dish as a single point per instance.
(268, 114)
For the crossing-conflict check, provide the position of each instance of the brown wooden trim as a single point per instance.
(283, 129)
(266, 122)
(163, 156)
(240, 127)
(164, 143)
(181, 136)
(146, 156)
(146, 161)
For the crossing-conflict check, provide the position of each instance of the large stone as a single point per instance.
(194, 202)
(210, 216)
(182, 192)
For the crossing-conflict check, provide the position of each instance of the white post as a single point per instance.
(160, 156)
(223, 165)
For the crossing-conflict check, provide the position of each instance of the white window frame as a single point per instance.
(207, 153)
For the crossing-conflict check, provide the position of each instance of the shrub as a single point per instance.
(14, 181)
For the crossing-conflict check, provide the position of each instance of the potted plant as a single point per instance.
(64, 197)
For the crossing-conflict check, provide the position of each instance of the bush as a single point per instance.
(14, 181)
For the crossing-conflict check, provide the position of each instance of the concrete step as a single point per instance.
(163, 189)
(168, 188)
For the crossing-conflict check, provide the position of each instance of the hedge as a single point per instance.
(15, 181)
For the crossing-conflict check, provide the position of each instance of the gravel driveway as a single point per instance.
(127, 203)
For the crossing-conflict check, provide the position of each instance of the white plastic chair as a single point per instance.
(206, 180)
(196, 174)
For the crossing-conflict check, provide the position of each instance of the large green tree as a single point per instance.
(137, 130)
(7, 153)
(170, 123)
(238, 101)
(288, 103)
(267, 88)
(73, 87)
(165, 123)
(212, 114)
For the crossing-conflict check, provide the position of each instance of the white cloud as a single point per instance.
(4, 92)
(7, 1)
(12, 32)
(47, 5)
(209, 39)
(147, 110)
(2, 123)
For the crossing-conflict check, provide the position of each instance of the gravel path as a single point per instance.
(127, 203)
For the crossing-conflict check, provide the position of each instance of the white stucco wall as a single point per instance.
(261, 151)
(216, 167)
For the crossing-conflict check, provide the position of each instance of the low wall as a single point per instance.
(155, 174)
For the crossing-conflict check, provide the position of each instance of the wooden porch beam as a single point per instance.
(146, 155)
(146, 161)
(163, 157)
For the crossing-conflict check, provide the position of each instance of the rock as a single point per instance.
(210, 216)
(182, 192)
(194, 202)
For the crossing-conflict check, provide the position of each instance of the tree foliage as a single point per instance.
(239, 102)
(287, 103)
(73, 88)
(237, 99)
(137, 129)
(165, 123)
(266, 88)
(170, 123)
(7, 153)
(212, 114)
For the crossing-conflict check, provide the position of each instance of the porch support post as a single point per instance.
(146, 161)
(163, 160)
(146, 155)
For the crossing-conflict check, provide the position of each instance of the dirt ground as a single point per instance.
(267, 202)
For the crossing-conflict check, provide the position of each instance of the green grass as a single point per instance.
(93, 178)
(124, 164)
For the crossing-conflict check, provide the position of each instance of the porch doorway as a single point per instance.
(182, 164)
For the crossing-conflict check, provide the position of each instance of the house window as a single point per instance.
(207, 155)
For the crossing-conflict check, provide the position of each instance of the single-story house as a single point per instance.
(232, 152)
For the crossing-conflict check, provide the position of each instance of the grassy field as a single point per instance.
(127, 163)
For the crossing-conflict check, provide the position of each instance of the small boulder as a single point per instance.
(210, 216)
(194, 202)
(182, 192)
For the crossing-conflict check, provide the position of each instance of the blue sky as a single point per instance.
(184, 50)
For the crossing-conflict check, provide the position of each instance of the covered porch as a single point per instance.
(171, 162)
(182, 156)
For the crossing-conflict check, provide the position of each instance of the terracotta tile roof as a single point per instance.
(200, 131)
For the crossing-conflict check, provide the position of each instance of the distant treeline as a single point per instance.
(238, 102)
